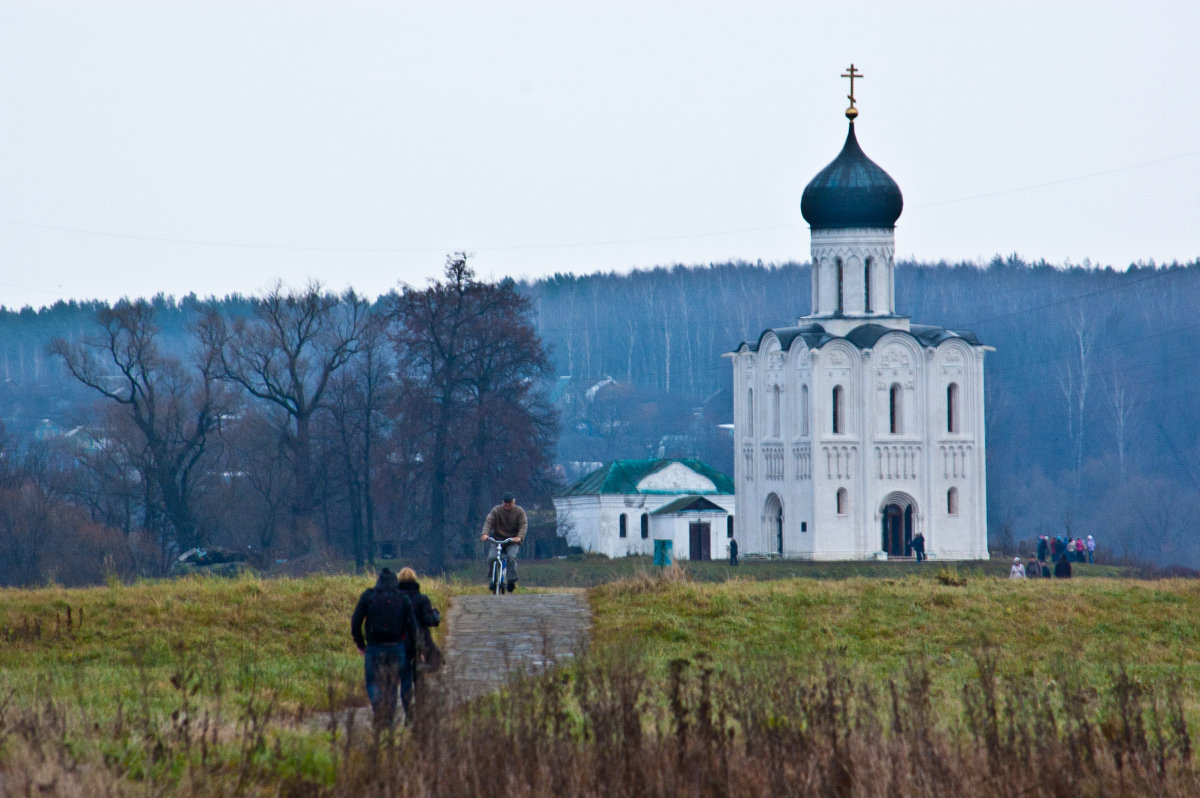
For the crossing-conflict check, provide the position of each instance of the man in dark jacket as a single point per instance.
(506, 521)
(1062, 568)
(384, 628)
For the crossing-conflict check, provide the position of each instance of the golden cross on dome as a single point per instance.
(851, 73)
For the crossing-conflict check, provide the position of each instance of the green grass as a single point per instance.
(1037, 628)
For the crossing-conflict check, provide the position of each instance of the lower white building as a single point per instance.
(623, 507)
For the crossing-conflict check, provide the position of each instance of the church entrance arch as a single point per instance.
(898, 514)
(773, 523)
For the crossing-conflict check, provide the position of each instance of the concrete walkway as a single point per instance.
(491, 637)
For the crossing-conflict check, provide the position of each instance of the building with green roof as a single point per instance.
(621, 508)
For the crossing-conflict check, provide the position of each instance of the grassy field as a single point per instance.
(203, 686)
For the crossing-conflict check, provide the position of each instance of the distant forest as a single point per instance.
(1090, 391)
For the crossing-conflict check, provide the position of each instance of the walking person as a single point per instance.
(1033, 568)
(1062, 568)
(1091, 549)
(425, 654)
(733, 549)
(384, 628)
(1017, 571)
(1043, 548)
(918, 546)
(506, 521)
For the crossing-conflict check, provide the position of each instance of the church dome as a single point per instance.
(853, 191)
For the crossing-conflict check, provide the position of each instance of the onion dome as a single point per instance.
(853, 191)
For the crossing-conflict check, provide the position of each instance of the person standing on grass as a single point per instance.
(1043, 548)
(918, 546)
(1091, 549)
(733, 551)
(1033, 568)
(384, 627)
(1062, 568)
(1017, 571)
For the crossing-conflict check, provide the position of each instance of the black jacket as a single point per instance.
(1062, 568)
(427, 614)
(364, 616)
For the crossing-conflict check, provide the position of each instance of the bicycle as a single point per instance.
(499, 575)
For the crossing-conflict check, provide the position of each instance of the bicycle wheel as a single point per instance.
(498, 578)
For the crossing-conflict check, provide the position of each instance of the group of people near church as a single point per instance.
(1061, 551)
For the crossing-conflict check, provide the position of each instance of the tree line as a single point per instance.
(302, 424)
(299, 425)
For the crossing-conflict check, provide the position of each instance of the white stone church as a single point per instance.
(855, 430)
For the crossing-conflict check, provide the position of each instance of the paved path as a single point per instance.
(491, 637)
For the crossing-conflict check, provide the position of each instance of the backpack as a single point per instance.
(389, 615)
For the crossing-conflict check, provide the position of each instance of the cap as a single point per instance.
(508, 497)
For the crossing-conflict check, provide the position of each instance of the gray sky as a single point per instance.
(219, 146)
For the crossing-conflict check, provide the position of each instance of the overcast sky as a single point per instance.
(217, 147)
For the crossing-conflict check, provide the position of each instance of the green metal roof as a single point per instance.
(623, 476)
(689, 504)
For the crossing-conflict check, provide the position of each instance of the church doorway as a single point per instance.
(773, 520)
(897, 519)
(700, 540)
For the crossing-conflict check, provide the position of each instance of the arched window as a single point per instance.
(839, 409)
(952, 501)
(776, 411)
(843, 501)
(645, 525)
(867, 285)
(729, 526)
(895, 411)
(750, 413)
(841, 286)
(804, 410)
(624, 525)
(952, 423)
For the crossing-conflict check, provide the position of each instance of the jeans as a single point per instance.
(510, 560)
(386, 667)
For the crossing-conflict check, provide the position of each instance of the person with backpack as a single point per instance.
(384, 627)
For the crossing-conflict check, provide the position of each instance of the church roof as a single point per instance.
(689, 504)
(624, 476)
(851, 192)
(863, 336)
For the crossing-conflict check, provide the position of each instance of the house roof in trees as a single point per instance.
(658, 477)
(863, 336)
(689, 504)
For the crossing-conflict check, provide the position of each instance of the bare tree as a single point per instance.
(174, 406)
(285, 354)
(1074, 381)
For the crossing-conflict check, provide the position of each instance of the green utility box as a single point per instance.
(662, 552)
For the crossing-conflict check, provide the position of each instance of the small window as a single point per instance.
(729, 526)
(867, 285)
(645, 525)
(803, 526)
(843, 501)
(776, 411)
(894, 411)
(624, 525)
(804, 410)
(750, 413)
(952, 501)
(839, 409)
(841, 286)
(952, 423)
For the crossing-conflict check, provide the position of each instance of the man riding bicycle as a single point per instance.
(506, 521)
